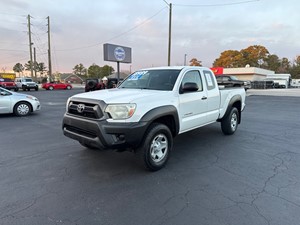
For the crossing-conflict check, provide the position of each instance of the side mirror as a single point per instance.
(189, 87)
(2, 93)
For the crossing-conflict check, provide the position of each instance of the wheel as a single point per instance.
(50, 88)
(91, 84)
(68, 87)
(156, 146)
(230, 123)
(16, 89)
(87, 146)
(24, 88)
(22, 109)
(36, 88)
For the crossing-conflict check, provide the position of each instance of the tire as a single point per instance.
(22, 109)
(24, 88)
(16, 89)
(91, 84)
(36, 88)
(68, 87)
(155, 149)
(230, 123)
(51, 88)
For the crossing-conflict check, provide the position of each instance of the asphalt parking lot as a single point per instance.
(251, 177)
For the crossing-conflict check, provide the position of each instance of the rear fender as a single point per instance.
(235, 101)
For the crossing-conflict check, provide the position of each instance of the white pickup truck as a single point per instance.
(149, 108)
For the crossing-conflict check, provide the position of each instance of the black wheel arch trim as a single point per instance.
(160, 112)
(236, 99)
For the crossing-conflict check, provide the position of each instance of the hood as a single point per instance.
(117, 95)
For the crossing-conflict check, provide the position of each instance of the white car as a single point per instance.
(17, 103)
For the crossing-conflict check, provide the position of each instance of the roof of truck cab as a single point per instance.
(172, 67)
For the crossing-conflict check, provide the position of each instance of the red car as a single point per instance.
(8, 84)
(56, 85)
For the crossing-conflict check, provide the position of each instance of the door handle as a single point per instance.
(204, 98)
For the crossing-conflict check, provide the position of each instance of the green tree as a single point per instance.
(285, 65)
(294, 70)
(79, 69)
(41, 68)
(94, 71)
(18, 68)
(272, 62)
(28, 65)
(195, 62)
(106, 70)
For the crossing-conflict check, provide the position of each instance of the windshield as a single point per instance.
(233, 78)
(151, 79)
(28, 80)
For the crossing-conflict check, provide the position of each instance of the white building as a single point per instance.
(248, 73)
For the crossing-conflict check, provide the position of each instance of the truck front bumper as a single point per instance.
(102, 134)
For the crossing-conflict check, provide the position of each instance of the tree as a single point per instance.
(285, 65)
(79, 69)
(107, 70)
(272, 62)
(195, 62)
(255, 55)
(40, 67)
(28, 65)
(18, 68)
(229, 59)
(94, 71)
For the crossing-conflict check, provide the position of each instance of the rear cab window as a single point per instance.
(210, 81)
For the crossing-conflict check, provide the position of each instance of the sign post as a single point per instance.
(116, 53)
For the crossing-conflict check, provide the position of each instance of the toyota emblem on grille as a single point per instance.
(80, 108)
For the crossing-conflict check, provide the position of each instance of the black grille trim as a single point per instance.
(89, 134)
(91, 110)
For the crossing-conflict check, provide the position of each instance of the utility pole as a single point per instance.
(30, 46)
(34, 63)
(49, 51)
(170, 34)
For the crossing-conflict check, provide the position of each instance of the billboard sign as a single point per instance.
(117, 53)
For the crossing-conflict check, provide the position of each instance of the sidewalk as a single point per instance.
(293, 92)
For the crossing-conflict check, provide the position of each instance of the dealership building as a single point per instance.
(255, 74)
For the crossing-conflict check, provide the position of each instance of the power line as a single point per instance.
(221, 4)
(12, 50)
(119, 35)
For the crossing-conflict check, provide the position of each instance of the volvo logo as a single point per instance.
(80, 108)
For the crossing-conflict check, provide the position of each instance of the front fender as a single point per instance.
(164, 113)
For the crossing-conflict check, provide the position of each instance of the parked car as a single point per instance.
(8, 84)
(26, 84)
(93, 84)
(17, 103)
(56, 85)
(232, 81)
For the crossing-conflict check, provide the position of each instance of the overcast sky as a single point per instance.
(201, 29)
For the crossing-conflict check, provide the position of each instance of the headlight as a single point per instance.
(120, 111)
(31, 97)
